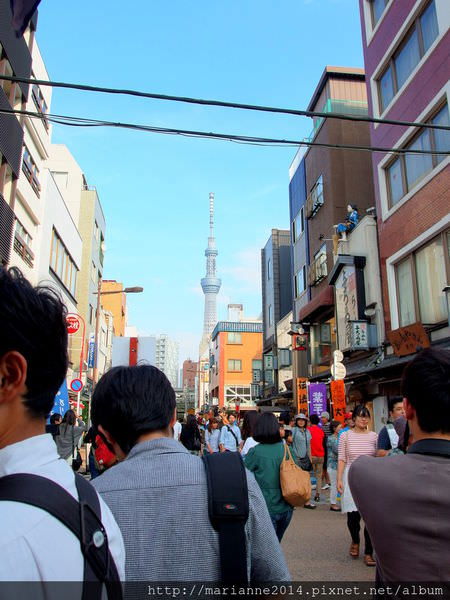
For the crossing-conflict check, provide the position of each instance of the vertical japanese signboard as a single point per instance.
(337, 388)
(317, 398)
(346, 305)
(302, 395)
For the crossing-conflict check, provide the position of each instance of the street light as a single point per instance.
(128, 290)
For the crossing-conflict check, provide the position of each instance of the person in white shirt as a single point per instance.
(34, 545)
(177, 430)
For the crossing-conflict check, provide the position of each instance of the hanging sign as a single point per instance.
(302, 395)
(318, 398)
(338, 399)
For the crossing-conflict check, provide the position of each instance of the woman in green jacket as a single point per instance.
(264, 461)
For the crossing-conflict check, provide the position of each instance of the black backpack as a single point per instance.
(228, 509)
(82, 517)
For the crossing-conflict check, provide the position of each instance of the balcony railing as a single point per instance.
(23, 250)
(344, 107)
(317, 270)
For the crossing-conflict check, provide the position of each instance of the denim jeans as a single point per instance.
(281, 521)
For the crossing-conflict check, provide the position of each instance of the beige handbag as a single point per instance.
(295, 483)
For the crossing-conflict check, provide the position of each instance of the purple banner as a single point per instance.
(317, 398)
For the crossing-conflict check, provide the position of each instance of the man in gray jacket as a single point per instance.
(404, 499)
(158, 490)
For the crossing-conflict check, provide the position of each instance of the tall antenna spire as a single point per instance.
(211, 283)
(211, 215)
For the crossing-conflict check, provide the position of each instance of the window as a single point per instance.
(91, 314)
(300, 281)
(270, 315)
(269, 269)
(62, 264)
(94, 273)
(316, 196)
(377, 9)
(234, 338)
(30, 170)
(408, 169)
(237, 393)
(403, 62)
(40, 103)
(298, 225)
(96, 231)
(234, 364)
(22, 244)
(420, 280)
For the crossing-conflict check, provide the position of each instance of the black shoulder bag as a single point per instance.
(82, 517)
(228, 509)
(77, 461)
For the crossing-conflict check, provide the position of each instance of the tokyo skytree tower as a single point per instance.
(210, 284)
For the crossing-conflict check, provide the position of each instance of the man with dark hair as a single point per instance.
(35, 546)
(230, 435)
(409, 522)
(158, 492)
(388, 438)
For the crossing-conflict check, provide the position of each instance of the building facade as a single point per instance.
(15, 60)
(189, 371)
(167, 360)
(235, 351)
(276, 300)
(334, 180)
(406, 53)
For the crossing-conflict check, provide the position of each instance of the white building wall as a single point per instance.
(29, 205)
(56, 216)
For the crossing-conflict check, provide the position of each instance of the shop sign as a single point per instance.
(302, 395)
(337, 389)
(317, 398)
(268, 361)
(359, 339)
(300, 341)
(408, 340)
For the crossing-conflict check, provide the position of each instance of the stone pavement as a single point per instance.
(316, 546)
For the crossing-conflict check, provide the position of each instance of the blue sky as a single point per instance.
(155, 189)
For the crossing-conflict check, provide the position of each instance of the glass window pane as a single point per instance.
(73, 288)
(407, 313)
(442, 138)
(378, 9)
(428, 22)
(54, 247)
(407, 59)
(418, 165)
(59, 266)
(395, 181)
(386, 88)
(431, 280)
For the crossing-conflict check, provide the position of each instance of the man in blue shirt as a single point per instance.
(230, 436)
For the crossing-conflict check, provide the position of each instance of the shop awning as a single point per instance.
(318, 305)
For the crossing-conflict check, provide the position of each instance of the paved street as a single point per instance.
(316, 546)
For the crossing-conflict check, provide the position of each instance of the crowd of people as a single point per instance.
(151, 508)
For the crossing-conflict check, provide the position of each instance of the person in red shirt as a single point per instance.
(317, 453)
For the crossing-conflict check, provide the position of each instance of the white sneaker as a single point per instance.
(326, 486)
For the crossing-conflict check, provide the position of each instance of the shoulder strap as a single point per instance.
(233, 434)
(228, 509)
(83, 520)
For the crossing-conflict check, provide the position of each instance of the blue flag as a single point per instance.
(22, 11)
(61, 404)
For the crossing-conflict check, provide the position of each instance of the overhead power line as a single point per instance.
(252, 140)
(221, 103)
